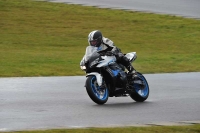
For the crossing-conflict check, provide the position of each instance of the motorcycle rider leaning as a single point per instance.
(96, 39)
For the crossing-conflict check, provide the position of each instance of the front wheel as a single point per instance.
(141, 89)
(98, 94)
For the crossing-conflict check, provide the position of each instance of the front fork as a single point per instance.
(98, 77)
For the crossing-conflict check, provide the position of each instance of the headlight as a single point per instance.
(83, 67)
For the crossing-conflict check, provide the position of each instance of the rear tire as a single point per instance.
(140, 94)
(97, 94)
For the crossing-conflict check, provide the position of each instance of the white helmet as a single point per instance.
(95, 38)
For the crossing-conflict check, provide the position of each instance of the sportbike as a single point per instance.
(108, 78)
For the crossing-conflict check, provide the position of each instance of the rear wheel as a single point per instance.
(96, 93)
(141, 89)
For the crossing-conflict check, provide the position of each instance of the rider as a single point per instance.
(96, 39)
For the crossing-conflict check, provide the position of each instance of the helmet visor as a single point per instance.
(93, 42)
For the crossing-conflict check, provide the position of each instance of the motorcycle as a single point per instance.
(108, 78)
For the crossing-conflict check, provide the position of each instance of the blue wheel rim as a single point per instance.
(101, 94)
(144, 91)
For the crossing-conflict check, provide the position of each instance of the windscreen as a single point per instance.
(90, 51)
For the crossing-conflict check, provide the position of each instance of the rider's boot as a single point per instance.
(131, 71)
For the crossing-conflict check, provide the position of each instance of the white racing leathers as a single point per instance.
(91, 49)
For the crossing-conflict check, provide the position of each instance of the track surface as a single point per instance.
(185, 8)
(62, 102)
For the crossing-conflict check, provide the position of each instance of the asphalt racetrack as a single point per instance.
(185, 8)
(62, 102)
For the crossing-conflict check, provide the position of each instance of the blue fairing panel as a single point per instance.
(115, 72)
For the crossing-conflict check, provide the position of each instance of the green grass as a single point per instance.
(153, 129)
(49, 39)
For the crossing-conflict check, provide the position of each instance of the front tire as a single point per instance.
(140, 93)
(97, 94)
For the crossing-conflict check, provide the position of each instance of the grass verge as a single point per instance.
(153, 129)
(49, 39)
